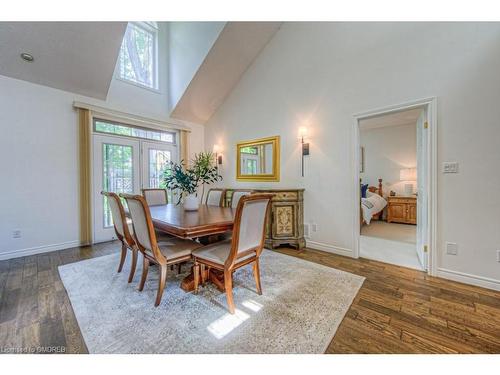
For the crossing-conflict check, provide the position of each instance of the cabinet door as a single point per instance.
(397, 212)
(412, 213)
(284, 220)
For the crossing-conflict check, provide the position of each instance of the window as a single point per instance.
(138, 61)
(103, 126)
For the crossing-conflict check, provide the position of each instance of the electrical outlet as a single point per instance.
(314, 227)
(451, 248)
(306, 230)
(450, 167)
(16, 233)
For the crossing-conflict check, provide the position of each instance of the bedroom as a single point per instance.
(389, 199)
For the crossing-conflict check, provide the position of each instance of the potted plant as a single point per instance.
(187, 180)
(205, 168)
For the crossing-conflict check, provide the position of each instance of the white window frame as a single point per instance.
(173, 132)
(150, 27)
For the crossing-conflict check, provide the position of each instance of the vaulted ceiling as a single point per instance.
(79, 57)
(237, 46)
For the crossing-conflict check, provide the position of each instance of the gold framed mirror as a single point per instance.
(258, 160)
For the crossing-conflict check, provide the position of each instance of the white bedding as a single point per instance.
(378, 205)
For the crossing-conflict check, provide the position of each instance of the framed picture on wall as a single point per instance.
(361, 159)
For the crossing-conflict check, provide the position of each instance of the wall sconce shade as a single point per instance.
(218, 155)
(302, 132)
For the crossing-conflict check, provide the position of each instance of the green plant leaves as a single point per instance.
(203, 172)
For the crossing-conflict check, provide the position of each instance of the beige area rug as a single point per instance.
(300, 310)
(391, 231)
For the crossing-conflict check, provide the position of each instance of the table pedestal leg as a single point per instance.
(214, 276)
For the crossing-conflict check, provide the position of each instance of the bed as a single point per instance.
(373, 205)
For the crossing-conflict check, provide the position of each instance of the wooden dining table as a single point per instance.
(203, 224)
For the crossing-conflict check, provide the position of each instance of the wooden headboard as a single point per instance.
(378, 190)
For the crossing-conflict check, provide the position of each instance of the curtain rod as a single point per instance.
(128, 116)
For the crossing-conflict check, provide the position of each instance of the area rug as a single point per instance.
(300, 309)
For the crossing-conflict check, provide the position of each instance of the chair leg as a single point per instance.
(161, 284)
(122, 258)
(228, 283)
(145, 269)
(256, 274)
(202, 272)
(196, 274)
(133, 266)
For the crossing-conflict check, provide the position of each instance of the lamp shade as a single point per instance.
(408, 174)
(303, 132)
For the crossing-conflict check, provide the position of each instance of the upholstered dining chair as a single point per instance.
(237, 194)
(172, 251)
(155, 197)
(244, 248)
(215, 197)
(123, 230)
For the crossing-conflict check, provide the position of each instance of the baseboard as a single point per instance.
(466, 278)
(329, 248)
(38, 250)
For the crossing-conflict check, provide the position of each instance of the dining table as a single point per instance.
(205, 225)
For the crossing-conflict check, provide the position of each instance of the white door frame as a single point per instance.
(432, 169)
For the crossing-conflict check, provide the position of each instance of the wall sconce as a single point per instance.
(305, 146)
(218, 155)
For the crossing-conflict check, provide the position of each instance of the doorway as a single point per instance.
(126, 163)
(394, 174)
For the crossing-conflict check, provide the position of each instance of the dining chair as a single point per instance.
(155, 197)
(237, 195)
(243, 248)
(215, 197)
(172, 251)
(123, 230)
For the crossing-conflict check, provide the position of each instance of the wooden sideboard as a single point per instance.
(402, 210)
(285, 223)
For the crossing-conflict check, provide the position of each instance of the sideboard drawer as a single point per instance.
(285, 196)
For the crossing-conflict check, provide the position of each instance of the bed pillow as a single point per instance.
(364, 188)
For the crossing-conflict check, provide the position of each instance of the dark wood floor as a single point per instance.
(398, 310)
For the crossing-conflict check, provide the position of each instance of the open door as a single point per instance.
(422, 193)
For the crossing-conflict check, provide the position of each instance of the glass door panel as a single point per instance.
(156, 160)
(116, 169)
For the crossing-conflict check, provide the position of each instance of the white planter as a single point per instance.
(191, 203)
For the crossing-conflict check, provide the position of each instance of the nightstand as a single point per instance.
(401, 209)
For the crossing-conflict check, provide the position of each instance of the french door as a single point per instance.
(125, 165)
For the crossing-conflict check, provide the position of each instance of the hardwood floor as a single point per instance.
(398, 310)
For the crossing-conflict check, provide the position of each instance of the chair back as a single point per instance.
(144, 233)
(118, 215)
(237, 194)
(155, 197)
(215, 197)
(249, 226)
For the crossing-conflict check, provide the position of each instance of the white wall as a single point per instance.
(387, 151)
(321, 74)
(39, 160)
(189, 44)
